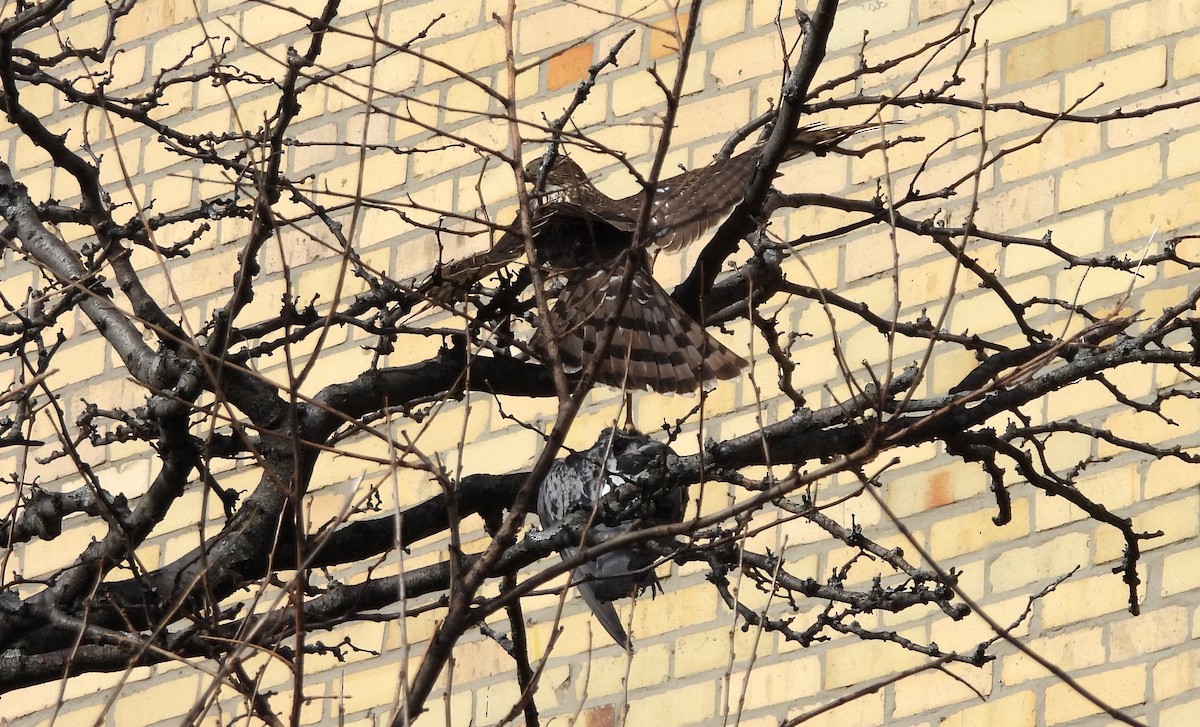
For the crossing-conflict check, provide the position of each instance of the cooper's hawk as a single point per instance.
(581, 232)
(579, 481)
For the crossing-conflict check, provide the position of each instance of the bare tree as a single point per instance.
(223, 393)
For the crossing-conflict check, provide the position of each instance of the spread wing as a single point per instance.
(566, 235)
(690, 204)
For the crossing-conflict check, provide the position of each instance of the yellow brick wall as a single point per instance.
(1100, 189)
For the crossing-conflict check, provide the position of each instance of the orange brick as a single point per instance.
(569, 66)
(667, 35)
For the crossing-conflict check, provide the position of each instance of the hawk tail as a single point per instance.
(656, 346)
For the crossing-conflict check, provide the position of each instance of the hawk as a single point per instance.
(578, 482)
(584, 234)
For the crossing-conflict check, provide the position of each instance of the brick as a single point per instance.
(928, 691)
(1117, 687)
(966, 634)
(864, 711)
(1018, 207)
(407, 19)
(1055, 52)
(735, 62)
(973, 531)
(779, 683)
(685, 704)
(265, 23)
(85, 33)
(1079, 234)
(1017, 567)
(16, 286)
(666, 36)
(722, 19)
(1012, 19)
(702, 119)
(1063, 146)
(90, 715)
(400, 72)
(1114, 488)
(556, 24)
(945, 167)
(708, 651)
(1162, 124)
(650, 670)
(504, 453)
(569, 66)
(466, 56)
(493, 703)
(1122, 76)
(859, 662)
(693, 605)
(925, 491)
(146, 19)
(1181, 572)
(1183, 155)
(932, 8)
(633, 93)
(1110, 178)
(1079, 600)
(170, 49)
(1144, 21)
(317, 149)
(606, 675)
(1178, 520)
(878, 19)
(375, 686)
(1073, 652)
(29, 156)
(43, 557)
(1015, 710)
(368, 129)
(95, 683)
(1181, 715)
(1187, 57)
(432, 161)
(1136, 220)
(1148, 633)
(1076, 284)
(159, 701)
(867, 256)
(129, 67)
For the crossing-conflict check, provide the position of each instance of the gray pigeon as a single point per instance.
(579, 481)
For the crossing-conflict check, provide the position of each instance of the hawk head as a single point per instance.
(565, 182)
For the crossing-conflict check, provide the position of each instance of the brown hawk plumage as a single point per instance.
(583, 233)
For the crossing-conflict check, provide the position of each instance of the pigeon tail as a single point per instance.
(606, 615)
